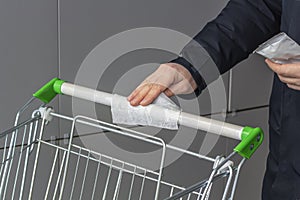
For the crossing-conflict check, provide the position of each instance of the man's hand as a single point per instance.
(170, 78)
(287, 73)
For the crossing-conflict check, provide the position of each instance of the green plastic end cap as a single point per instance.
(49, 90)
(252, 138)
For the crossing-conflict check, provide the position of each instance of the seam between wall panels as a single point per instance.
(229, 103)
(58, 38)
(58, 68)
(59, 57)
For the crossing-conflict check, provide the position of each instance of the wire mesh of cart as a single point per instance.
(72, 171)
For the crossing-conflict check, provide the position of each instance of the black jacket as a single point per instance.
(230, 38)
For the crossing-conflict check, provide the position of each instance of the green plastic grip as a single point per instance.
(49, 90)
(252, 138)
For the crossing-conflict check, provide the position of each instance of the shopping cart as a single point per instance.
(71, 171)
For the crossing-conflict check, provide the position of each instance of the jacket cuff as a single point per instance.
(195, 74)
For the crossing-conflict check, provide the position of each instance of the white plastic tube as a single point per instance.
(185, 119)
(87, 93)
(211, 125)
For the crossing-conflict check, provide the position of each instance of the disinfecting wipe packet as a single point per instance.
(280, 49)
(162, 113)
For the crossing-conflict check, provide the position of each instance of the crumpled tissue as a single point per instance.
(162, 113)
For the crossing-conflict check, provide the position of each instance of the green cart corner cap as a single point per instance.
(252, 138)
(49, 90)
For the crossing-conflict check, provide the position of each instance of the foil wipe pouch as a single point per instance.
(280, 49)
(162, 113)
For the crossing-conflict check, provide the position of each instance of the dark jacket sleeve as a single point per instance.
(231, 37)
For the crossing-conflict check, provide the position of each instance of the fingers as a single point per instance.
(139, 95)
(153, 85)
(285, 70)
(274, 67)
(295, 87)
(291, 81)
(168, 92)
(135, 92)
(287, 73)
(152, 94)
(145, 94)
(173, 76)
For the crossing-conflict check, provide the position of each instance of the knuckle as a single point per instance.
(158, 87)
(153, 92)
(138, 97)
(281, 72)
(145, 83)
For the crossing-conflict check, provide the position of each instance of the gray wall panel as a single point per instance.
(253, 171)
(84, 24)
(28, 52)
(251, 83)
(29, 58)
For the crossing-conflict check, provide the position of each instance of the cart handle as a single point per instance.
(251, 138)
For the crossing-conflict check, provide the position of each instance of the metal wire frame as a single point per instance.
(9, 147)
(101, 161)
(33, 130)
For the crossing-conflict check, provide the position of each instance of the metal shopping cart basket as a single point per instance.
(71, 171)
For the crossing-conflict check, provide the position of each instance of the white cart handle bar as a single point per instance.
(251, 138)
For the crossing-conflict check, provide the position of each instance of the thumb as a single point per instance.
(168, 92)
